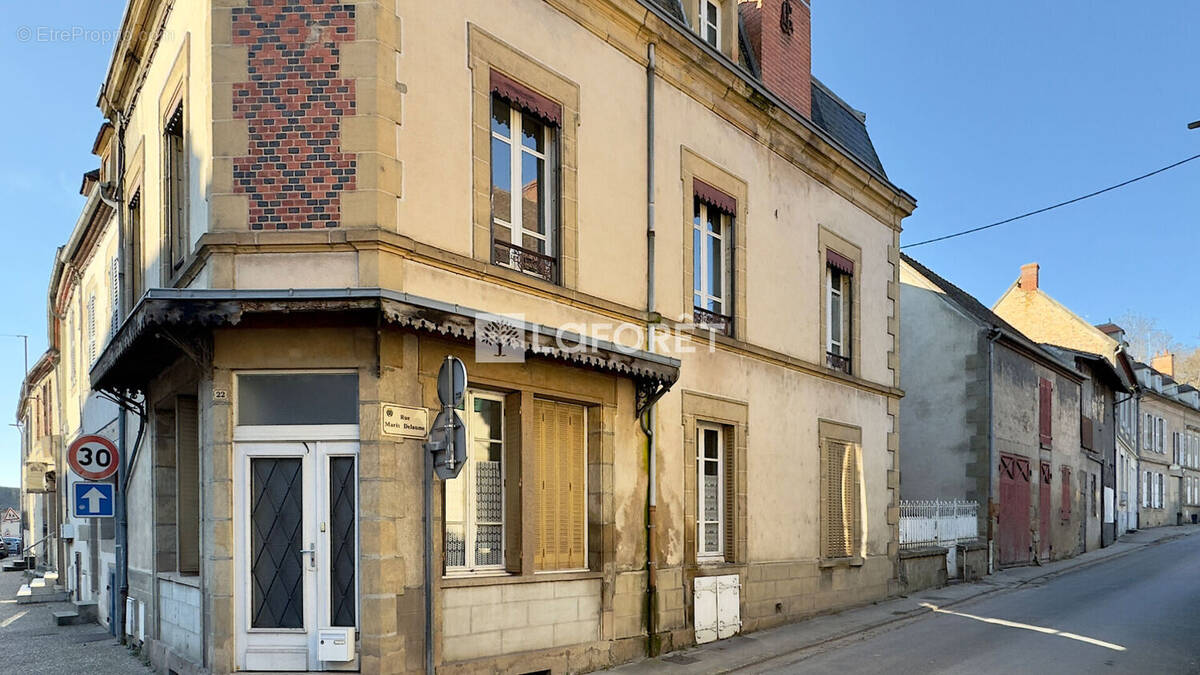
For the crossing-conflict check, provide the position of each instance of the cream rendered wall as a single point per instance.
(435, 140)
(783, 279)
(189, 23)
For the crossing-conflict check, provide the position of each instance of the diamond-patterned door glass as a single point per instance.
(276, 521)
(342, 536)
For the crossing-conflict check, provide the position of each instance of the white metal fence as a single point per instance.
(938, 522)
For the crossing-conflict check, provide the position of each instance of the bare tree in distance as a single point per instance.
(1146, 339)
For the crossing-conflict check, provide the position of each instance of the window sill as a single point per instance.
(192, 580)
(506, 578)
(855, 561)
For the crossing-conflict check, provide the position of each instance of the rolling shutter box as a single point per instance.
(560, 465)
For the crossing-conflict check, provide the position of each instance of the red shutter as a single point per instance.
(1066, 493)
(1045, 391)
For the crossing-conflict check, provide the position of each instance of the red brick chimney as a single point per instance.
(780, 34)
(1164, 363)
(1029, 277)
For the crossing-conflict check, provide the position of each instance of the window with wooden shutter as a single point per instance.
(1085, 432)
(115, 288)
(712, 492)
(91, 328)
(475, 501)
(1045, 409)
(560, 465)
(1065, 508)
(840, 494)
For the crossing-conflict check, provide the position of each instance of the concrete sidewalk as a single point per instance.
(743, 651)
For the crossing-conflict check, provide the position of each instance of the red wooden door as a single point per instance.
(1014, 510)
(1044, 511)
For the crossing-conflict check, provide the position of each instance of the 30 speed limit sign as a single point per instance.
(93, 457)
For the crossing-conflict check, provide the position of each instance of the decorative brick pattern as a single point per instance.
(294, 101)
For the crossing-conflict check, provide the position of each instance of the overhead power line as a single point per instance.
(1054, 206)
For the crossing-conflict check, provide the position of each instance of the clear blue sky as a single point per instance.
(981, 111)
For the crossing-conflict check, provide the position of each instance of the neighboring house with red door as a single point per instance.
(990, 416)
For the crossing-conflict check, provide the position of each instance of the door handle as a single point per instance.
(312, 555)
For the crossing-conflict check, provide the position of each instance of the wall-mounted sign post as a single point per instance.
(445, 453)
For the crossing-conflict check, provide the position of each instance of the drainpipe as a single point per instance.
(992, 336)
(649, 420)
(117, 202)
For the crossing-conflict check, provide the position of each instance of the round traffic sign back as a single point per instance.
(93, 457)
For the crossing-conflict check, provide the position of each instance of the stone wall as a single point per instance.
(922, 568)
(504, 619)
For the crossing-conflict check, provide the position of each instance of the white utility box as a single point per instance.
(66, 530)
(336, 644)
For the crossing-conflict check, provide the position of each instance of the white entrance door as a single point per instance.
(296, 533)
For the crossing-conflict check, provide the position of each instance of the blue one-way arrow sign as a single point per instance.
(93, 500)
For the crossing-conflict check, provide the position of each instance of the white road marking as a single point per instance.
(1025, 626)
(9, 621)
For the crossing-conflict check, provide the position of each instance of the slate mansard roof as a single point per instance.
(830, 113)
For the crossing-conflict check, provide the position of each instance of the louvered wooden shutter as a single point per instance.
(1066, 493)
(561, 465)
(115, 281)
(571, 514)
(91, 328)
(1045, 433)
(187, 484)
(545, 557)
(1085, 432)
(730, 470)
(841, 500)
(512, 482)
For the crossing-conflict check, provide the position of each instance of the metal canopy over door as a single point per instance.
(1044, 536)
(297, 550)
(1014, 510)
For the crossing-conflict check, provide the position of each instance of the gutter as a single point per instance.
(649, 419)
(992, 335)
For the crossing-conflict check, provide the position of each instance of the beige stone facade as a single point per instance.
(338, 219)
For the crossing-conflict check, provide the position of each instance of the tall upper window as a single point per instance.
(175, 235)
(475, 500)
(710, 474)
(91, 328)
(1160, 445)
(137, 283)
(524, 159)
(839, 272)
(712, 258)
(709, 21)
(1148, 433)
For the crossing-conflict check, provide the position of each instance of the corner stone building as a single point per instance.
(319, 204)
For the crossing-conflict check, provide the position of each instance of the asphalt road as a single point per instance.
(1139, 613)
